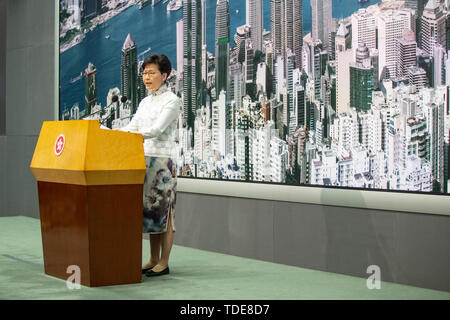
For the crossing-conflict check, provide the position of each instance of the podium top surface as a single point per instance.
(79, 152)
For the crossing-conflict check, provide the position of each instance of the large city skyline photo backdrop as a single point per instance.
(343, 93)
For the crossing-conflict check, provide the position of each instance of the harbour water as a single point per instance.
(153, 27)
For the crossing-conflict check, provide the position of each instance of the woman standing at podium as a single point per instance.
(156, 119)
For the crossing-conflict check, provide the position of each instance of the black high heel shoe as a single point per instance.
(152, 273)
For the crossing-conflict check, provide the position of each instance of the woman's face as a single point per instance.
(152, 77)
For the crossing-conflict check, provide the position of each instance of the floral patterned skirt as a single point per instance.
(159, 194)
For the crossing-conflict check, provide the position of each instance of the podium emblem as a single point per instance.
(59, 144)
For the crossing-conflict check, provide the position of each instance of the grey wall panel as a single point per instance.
(423, 250)
(227, 225)
(30, 100)
(2, 176)
(22, 197)
(3, 25)
(409, 248)
(30, 23)
(30, 84)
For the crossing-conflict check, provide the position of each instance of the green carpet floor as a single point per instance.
(195, 274)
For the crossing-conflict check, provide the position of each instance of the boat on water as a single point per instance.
(174, 5)
(237, 11)
(107, 37)
(145, 51)
(363, 1)
(73, 80)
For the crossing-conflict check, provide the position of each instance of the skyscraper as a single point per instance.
(129, 72)
(432, 27)
(406, 53)
(192, 69)
(242, 34)
(222, 45)
(180, 37)
(343, 60)
(361, 85)
(291, 121)
(141, 89)
(276, 25)
(254, 18)
(391, 25)
(90, 87)
(439, 57)
(364, 28)
(292, 29)
(321, 20)
(418, 6)
(204, 52)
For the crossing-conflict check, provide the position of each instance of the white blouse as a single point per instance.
(156, 119)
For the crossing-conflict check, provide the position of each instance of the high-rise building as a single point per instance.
(90, 87)
(425, 61)
(391, 25)
(343, 60)
(300, 105)
(242, 34)
(417, 6)
(406, 53)
(292, 29)
(417, 77)
(278, 159)
(435, 114)
(236, 89)
(129, 72)
(222, 45)
(218, 125)
(362, 53)
(249, 68)
(361, 85)
(192, 68)
(374, 58)
(364, 28)
(204, 51)
(276, 25)
(286, 28)
(447, 31)
(439, 57)
(244, 144)
(321, 20)
(254, 18)
(370, 130)
(261, 152)
(289, 106)
(141, 89)
(90, 9)
(180, 37)
(432, 27)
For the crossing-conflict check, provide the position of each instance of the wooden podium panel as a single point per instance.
(90, 201)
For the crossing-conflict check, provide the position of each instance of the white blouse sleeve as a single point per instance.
(169, 113)
(133, 126)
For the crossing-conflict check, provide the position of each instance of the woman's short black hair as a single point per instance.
(161, 61)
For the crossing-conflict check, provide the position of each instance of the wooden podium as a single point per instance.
(90, 184)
